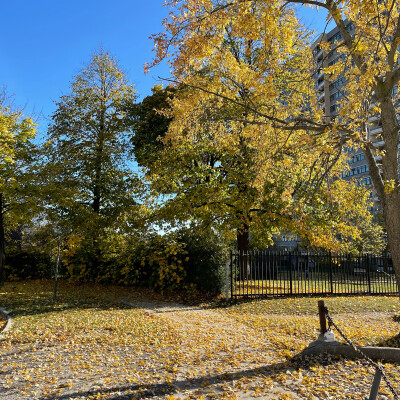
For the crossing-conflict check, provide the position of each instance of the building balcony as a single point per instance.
(372, 105)
(319, 54)
(320, 85)
(379, 144)
(374, 118)
(375, 130)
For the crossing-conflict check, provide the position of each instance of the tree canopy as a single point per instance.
(248, 146)
(90, 177)
(17, 171)
(150, 124)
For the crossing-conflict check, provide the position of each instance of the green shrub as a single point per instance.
(181, 260)
(153, 261)
(204, 262)
(23, 264)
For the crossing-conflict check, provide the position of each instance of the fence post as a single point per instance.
(368, 274)
(330, 271)
(322, 316)
(290, 272)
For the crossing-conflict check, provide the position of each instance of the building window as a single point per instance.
(357, 157)
(338, 83)
(334, 108)
(316, 51)
(336, 95)
(335, 38)
(339, 58)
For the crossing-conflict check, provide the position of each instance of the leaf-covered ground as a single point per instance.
(101, 342)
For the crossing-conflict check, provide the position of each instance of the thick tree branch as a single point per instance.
(393, 79)
(395, 45)
(374, 172)
(347, 39)
(382, 32)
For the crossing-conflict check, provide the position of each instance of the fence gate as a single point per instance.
(265, 274)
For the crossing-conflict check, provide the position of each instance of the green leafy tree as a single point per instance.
(89, 176)
(371, 240)
(17, 172)
(150, 124)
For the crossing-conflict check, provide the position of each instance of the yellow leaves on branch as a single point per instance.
(390, 186)
(14, 132)
(240, 139)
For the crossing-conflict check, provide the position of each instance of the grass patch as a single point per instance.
(308, 305)
(302, 286)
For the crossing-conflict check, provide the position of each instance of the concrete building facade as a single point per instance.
(329, 94)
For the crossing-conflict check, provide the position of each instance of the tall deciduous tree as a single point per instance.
(88, 148)
(17, 165)
(232, 153)
(197, 31)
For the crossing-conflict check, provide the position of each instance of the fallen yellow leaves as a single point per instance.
(92, 345)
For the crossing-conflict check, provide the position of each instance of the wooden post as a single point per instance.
(375, 385)
(322, 317)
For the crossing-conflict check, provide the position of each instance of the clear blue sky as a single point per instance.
(44, 43)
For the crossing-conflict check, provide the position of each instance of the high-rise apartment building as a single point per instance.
(329, 93)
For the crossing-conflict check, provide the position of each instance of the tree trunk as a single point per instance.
(56, 268)
(392, 221)
(389, 196)
(2, 241)
(97, 185)
(98, 166)
(243, 245)
(97, 198)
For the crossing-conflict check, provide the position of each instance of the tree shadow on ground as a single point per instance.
(23, 308)
(393, 341)
(18, 302)
(161, 389)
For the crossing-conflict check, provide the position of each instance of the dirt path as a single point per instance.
(219, 357)
(206, 355)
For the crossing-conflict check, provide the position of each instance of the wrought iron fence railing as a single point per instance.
(265, 273)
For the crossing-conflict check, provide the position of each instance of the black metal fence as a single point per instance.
(265, 274)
